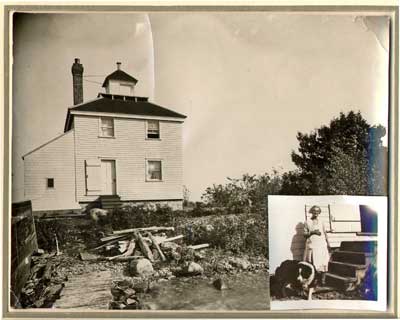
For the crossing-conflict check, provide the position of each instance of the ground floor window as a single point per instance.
(50, 183)
(154, 170)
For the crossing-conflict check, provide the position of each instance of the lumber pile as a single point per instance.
(137, 243)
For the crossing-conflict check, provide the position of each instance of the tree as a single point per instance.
(346, 157)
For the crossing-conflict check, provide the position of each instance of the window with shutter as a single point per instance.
(93, 176)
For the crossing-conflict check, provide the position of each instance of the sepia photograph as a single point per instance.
(199, 160)
(327, 248)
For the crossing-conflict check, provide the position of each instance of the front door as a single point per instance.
(108, 177)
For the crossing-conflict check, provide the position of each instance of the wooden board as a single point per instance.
(86, 291)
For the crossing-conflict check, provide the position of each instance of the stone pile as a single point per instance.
(44, 285)
(124, 296)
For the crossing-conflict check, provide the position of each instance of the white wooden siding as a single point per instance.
(53, 160)
(130, 148)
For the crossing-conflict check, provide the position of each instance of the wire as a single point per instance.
(93, 75)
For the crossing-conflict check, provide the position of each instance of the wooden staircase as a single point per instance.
(348, 264)
(110, 201)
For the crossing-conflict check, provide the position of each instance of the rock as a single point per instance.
(132, 305)
(130, 292)
(169, 245)
(96, 214)
(241, 263)
(164, 273)
(38, 252)
(141, 267)
(194, 269)
(86, 256)
(171, 250)
(29, 291)
(117, 293)
(199, 255)
(209, 227)
(223, 266)
(220, 284)
(116, 305)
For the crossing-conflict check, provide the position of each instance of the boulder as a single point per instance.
(141, 268)
(96, 214)
(220, 284)
(240, 263)
(171, 250)
(194, 269)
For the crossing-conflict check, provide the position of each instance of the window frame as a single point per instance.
(147, 178)
(147, 130)
(47, 183)
(101, 126)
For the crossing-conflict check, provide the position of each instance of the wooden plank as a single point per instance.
(155, 244)
(123, 258)
(199, 246)
(144, 246)
(170, 239)
(114, 237)
(86, 291)
(129, 251)
(144, 229)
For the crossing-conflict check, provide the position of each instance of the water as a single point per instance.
(248, 292)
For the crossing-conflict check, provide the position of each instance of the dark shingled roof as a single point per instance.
(119, 75)
(133, 105)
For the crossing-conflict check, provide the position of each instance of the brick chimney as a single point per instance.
(77, 80)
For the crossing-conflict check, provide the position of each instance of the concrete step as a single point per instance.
(110, 201)
(346, 269)
(359, 246)
(110, 196)
(110, 206)
(339, 282)
(348, 257)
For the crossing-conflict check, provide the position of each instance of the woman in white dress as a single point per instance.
(316, 250)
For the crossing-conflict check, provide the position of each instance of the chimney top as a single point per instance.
(119, 65)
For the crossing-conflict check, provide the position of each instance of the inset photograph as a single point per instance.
(327, 247)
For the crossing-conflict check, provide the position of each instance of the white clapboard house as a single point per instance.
(116, 148)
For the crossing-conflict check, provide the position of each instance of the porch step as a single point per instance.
(339, 282)
(359, 246)
(347, 269)
(352, 257)
(110, 201)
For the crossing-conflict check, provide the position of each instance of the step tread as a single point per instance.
(355, 252)
(356, 266)
(344, 279)
(323, 289)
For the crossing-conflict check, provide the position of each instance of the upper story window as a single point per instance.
(106, 127)
(153, 129)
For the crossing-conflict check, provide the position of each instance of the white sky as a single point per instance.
(247, 81)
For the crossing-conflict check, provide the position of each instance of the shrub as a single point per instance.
(245, 233)
(141, 216)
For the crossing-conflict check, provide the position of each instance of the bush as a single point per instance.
(141, 216)
(245, 233)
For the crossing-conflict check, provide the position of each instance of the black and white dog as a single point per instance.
(296, 277)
